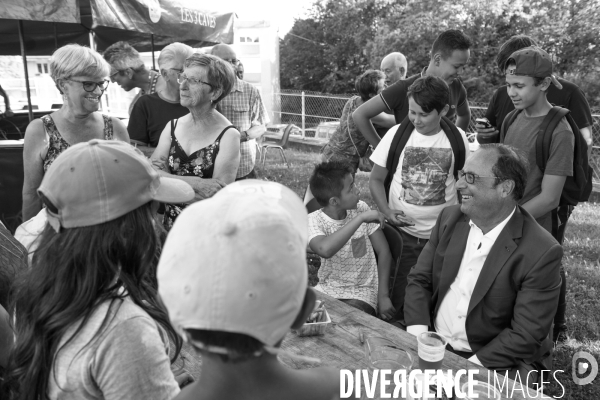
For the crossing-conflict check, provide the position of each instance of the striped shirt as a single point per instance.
(243, 107)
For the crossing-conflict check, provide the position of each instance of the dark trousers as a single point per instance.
(559, 223)
(411, 249)
(251, 175)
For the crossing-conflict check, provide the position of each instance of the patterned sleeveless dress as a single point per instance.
(56, 143)
(200, 163)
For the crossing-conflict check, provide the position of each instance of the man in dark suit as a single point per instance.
(488, 280)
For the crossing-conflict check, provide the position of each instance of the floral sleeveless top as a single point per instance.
(200, 163)
(56, 143)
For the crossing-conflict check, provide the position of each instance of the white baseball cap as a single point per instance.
(237, 262)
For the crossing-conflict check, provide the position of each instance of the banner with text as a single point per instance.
(178, 19)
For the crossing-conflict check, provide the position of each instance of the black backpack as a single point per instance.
(401, 138)
(577, 187)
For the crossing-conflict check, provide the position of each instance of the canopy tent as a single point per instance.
(48, 24)
(38, 27)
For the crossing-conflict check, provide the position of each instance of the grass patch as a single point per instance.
(581, 260)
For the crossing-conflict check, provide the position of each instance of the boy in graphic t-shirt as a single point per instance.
(423, 184)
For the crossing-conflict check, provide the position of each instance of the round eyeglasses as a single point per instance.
(183, 77)
(470, 177)
(90, 86)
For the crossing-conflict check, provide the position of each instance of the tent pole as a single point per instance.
(24, 55)
(55, 36)
(152, 46)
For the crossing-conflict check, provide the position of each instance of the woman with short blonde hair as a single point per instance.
(81, 76)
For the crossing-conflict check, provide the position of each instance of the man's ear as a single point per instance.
(437, 58)
(403, 72)
(307, 308)
(333, 201)
(129, 73)
(163, 73)
(445, 110)
(507, 187)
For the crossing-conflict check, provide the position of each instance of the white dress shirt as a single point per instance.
(452, 313)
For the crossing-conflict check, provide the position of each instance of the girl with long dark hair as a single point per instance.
(88, 324)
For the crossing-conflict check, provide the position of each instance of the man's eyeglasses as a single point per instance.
(90, 86)
(183, 77)
(470, 177)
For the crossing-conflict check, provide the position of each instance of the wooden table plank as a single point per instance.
(340, 347)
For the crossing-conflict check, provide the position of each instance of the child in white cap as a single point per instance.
(88, 323)
(233, 276)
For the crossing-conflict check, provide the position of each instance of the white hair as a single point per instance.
(174, 52)
(75, 60)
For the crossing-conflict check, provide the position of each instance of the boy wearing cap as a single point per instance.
(528, 77)
(344, 234)
(233, 276)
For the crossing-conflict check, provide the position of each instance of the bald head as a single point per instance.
(394, 67)
(225, 52)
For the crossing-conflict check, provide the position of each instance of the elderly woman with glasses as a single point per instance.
(81, 76)
(203, 147)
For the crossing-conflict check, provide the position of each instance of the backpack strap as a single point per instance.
(456, 142)
(398, 143)
(508, 120)
(544, 137)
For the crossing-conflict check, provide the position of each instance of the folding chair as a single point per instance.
(279, 145)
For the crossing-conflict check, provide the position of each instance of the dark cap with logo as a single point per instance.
(531, 61)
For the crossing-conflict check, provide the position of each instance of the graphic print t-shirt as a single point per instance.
(423, 185)
(352, 272)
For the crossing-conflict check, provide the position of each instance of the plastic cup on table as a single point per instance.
(431, 348)
(383, 354)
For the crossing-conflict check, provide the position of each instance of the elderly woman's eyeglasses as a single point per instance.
(183, 77)
(470, 177)
(90, 86)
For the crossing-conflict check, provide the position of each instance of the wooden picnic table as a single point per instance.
(341, 348)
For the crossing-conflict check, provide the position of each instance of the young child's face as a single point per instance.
(426, 123)
(522, 91)
(349, 195)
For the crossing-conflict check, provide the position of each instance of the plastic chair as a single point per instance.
(278, 145)
(394, 239)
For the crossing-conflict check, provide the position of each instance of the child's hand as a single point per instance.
(398, 218)
(374, 216)
(386, 309)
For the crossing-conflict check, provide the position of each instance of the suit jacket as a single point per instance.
(515, 297)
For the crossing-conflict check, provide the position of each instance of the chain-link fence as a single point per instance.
(309, 110)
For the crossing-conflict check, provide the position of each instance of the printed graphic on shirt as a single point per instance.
(424, 174)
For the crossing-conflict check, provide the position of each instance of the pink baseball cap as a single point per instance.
(101, 180)
(237, 262)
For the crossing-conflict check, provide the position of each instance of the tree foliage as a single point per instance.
(346, 37)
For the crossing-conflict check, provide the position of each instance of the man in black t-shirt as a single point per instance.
(449, 54)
